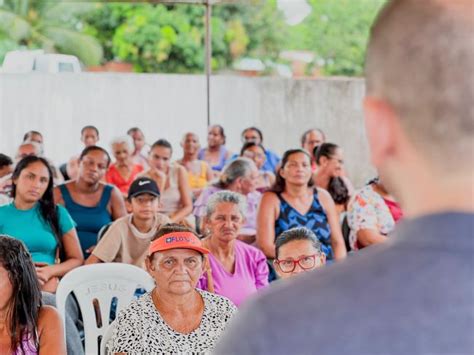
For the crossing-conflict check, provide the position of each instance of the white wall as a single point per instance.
(166, 106)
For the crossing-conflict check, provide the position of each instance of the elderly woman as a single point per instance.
(296, 251)
(237, 270)
(174, 317)
(372, 215)
(294, 202)
(124, 170)
(240, 175)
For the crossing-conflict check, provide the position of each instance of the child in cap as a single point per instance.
(128, 238)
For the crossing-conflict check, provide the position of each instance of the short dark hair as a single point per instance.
(308, 131)
(250, 145)
(324, 150)
(133, 130)
(162, 143)
(92, 148)
(5, 160)
(30, 133)
(253, 128)
(298, 233)
(90, 127)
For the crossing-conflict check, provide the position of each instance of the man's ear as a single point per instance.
(381, 124)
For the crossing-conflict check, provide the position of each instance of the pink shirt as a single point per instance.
(250, 274)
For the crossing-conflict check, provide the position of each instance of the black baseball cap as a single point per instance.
(143, 185)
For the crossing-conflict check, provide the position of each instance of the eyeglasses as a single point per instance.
(252, 155)
(305, 262)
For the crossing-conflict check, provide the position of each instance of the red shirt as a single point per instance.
(113, 177)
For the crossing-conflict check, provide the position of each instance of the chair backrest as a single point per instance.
(346, 231)
(101, 291)
(105, 339)
(102, 231)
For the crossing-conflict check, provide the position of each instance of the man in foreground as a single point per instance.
(413, 294)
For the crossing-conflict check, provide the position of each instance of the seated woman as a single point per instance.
(172, 181)
(295, 202)
(174, 317)
(27, 326)
(216, 154)
(46, 229)
(254, 134)
(124, 170)
(256, 153)
(199, 172)
(90, 202)
(330, 175)
(239, 176)
(237, 270)
(296, 251)
(372, 215)
(140, 153)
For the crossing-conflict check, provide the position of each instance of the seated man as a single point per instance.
(128, 238)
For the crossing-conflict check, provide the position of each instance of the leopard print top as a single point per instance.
(140, 329)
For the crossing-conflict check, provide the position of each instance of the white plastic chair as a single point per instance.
(96, 287)
(107, 336)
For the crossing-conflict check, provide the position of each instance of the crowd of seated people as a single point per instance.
(255, 218)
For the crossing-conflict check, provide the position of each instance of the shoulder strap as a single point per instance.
(66, 195)
(104, 199)
(203, 169)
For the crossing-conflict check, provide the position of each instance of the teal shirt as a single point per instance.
(29, 227)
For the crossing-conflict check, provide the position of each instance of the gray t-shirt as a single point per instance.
(411, 295)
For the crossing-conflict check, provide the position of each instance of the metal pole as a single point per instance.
(208, 60)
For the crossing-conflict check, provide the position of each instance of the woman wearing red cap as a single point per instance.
(174, 317)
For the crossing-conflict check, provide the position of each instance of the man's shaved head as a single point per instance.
(420, 60)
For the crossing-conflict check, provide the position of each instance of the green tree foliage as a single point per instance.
(337, 32)
(159, 38)
(46, 24)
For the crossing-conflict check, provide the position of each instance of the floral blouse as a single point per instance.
(368, 210)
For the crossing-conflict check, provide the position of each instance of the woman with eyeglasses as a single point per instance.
(256, 152)
(330, 175)
(296, 251)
